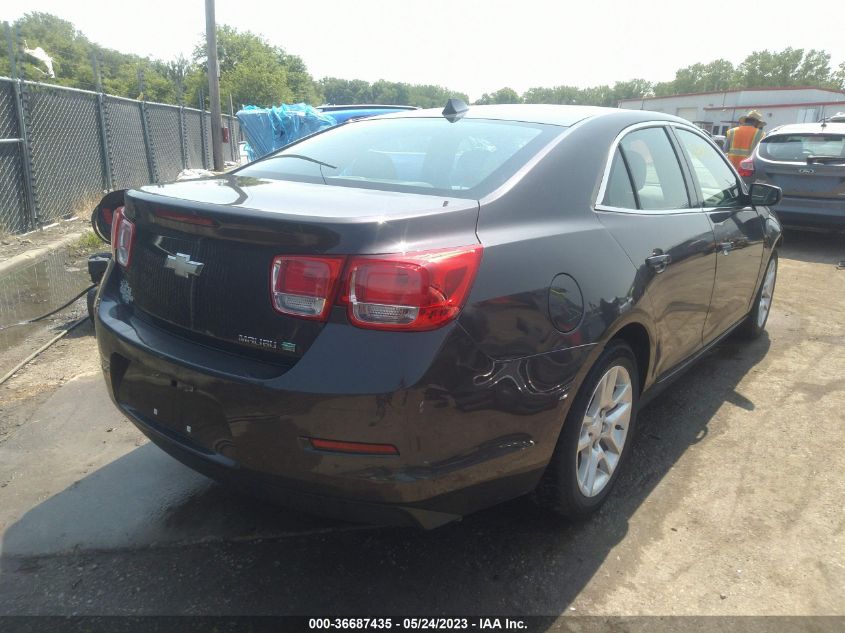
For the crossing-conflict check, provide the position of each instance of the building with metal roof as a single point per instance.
(717, 112)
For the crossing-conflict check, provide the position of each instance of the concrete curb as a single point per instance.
(30, 257)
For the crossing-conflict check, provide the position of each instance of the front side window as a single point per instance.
(719, 185)
(655, 172)
(468, 158)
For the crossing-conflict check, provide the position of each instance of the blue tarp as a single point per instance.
(269, 129)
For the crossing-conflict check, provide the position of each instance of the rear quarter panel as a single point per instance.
(533, 229)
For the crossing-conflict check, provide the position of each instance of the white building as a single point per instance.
(717, 112)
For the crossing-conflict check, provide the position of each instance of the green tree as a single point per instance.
(598, 96)
(632, 89)
(560, 95)
(719, 74)
(390, 92)
(71, 51)
(838, 77)
(250, 70)
(430, 96)
(539, 95)
(789, 67)
(346, 91)
(716, 75)
(300, 81)
(502, 95)
(255, 71)
(815, 69)
(177, 71)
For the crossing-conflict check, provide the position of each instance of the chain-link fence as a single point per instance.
(13, 205)
(62, 148)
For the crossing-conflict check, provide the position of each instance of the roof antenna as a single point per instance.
(455, 110)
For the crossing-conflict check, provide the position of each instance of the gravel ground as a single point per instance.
(732, 503)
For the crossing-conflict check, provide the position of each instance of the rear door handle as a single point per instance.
(726, 247)
(658, 263)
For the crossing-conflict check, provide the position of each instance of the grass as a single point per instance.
(85, 205)
(88, 243)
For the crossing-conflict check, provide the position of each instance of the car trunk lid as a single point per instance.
(203, 250)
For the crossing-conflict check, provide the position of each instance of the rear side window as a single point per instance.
(468, 158)
(654, 169)
(620, 192)
(796, 148)
(719, 186)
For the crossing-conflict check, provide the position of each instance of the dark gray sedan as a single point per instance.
(410, 317)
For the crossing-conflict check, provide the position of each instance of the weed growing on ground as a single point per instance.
(85, 205)
(88, 243)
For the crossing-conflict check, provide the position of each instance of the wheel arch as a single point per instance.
(637, 336)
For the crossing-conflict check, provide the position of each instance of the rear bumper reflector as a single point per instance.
(360, 448)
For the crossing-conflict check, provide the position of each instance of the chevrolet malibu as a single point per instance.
(407, 318)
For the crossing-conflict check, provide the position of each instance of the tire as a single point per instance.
(755, 322)
(562, 489)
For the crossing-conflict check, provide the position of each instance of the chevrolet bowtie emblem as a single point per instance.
(182, 265)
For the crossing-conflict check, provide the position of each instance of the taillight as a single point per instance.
(746, 168)
(115, 222)
(122, 237)
(417, 291)
(304, 286)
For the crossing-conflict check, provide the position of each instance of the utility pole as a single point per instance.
(214, 86)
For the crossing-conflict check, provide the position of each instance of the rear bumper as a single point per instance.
(471, 432)
(811, 213)
(290, 493)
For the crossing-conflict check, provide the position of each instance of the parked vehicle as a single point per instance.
(807, 161)
(343, 113)
(410, 317)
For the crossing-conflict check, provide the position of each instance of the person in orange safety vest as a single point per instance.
(741, 141)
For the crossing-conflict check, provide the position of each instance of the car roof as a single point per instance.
(364, 106)
(809, 128)
(563, 115)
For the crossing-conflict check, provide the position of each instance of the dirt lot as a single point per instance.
(732, 503)
(11, 245)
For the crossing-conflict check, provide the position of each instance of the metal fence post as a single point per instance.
(232, 128)
(145, 127)
(183, 137)
(108, 181)
(22, 115)
(105, 151)
(202, 131)
(21, 102)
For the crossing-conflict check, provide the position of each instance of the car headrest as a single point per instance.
(637, 165)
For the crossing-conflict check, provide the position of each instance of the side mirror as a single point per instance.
(101, 216)
(765, 195)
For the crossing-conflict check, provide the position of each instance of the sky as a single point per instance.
(469, 45)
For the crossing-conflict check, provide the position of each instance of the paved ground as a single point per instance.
(732, 504)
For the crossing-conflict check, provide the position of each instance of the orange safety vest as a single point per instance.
(740, 142)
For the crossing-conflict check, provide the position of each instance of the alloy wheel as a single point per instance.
(604, 430)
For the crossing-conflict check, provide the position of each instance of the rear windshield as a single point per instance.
(468, 158)
(798, 147)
